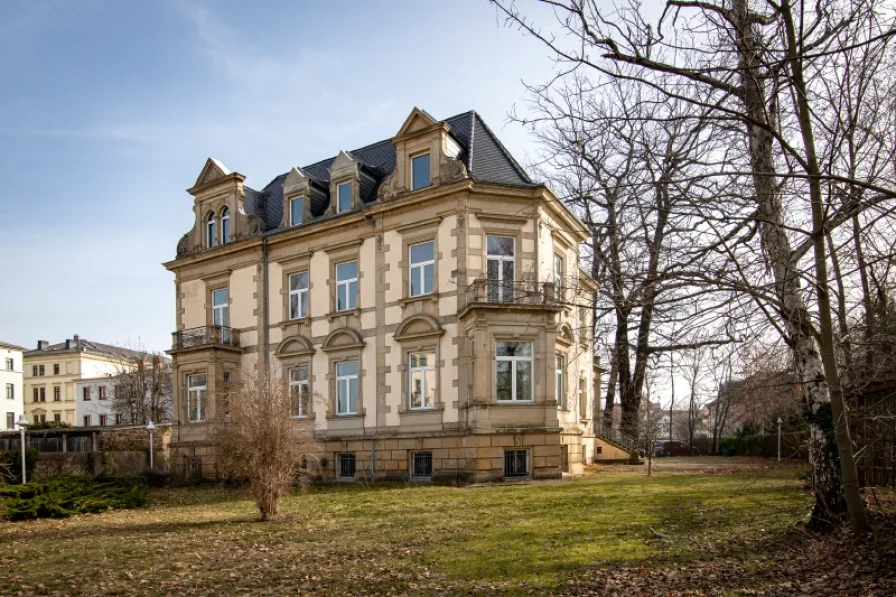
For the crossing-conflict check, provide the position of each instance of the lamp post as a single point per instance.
(150, 427)
(779, 438)
(22, 423)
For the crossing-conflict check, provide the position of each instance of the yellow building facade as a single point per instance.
(51, 370)
(421, 293)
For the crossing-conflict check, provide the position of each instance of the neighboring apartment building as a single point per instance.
(11, 384)
(421, 294)
(95, 403)
(51, 372)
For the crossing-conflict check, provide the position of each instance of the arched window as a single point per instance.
(225, 226)
(211, 235)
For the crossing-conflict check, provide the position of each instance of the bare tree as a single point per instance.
(142, 389)
(260, 441)
(757, 68)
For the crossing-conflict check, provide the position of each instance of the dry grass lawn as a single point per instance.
(404, 539)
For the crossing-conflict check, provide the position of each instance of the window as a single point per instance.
(225, 226)
(196, 398)
(57, 417)
(228, 377)
(118, 419)
(43, 394)
(300, 390)
(346, 465)
(87, 420)
(56, 369)
(86, 394)
(36, 397)
(9, 364)
(57, 393)
(423, 380)
(516, 463)
(421, 465)
(513, 363)
(583, 399)
(10, 420)
(344, 197)
(103, 419)
(10, 392)
(347, 388)
(558, 277)
(41, 369)
(561, 387)
(298, 295)
(296, 210)
(210, 231)
(500, 267)
(423, 267)
(220, 309)
(40, 418)
(101, 390)
(420, 172)
(585, 333)
(346, 285)
(33, 370)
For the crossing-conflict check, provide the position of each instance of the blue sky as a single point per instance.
(109, 109)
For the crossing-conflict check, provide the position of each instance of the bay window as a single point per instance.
(513, 371)
(196, 392)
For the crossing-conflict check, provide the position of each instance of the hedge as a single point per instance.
(66, 496)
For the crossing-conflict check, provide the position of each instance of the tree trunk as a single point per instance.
(829, 499)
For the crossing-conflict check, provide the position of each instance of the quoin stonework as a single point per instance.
(422, 295)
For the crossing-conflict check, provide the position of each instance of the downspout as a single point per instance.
(265, 306)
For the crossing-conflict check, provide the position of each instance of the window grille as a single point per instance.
(346, 465)
(516, 463)
(422, 465)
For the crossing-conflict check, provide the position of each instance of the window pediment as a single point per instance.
(418, 326)
(343, 339)
(565, 336)
(295, 346)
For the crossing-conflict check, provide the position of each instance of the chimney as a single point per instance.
(76, 339)
(42, 344)
(68, 344)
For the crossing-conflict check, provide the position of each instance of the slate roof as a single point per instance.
(486, 159)
(9, 346)
(86, 346)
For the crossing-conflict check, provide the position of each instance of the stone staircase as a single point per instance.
(632, 446)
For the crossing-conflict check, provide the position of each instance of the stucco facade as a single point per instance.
(51, 372)
(418, 358)
(11, 384)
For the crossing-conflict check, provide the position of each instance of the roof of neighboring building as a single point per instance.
(486, 159)
(9, 346)
(80, 345)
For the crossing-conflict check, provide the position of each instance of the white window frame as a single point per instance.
(10, 391)
(419, 269)
(292, 211)
(344, 381)
(559, 268)
(351, 298)
(513, 367)
(10, 420)
(339, 209)
(225, 226)
(421, 369)
(221, 311)
(428, 174)
(211, 230)
(500, 282)
(301, 388)
(561, 377)
(200, 392)
(10, 364)
(301, 295)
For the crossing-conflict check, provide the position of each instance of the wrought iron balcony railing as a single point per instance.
(204, 336)
(515, 292)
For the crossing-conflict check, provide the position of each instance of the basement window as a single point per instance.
(516, 463)
(345, 467)
(421, 466)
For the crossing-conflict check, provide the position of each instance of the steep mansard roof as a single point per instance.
(486, 159)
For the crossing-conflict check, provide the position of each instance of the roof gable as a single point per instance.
(212, 171)
(418, 120)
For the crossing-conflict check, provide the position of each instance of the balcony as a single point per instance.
(207, 335)
(512, 292)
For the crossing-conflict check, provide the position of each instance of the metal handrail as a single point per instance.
(205, 335)
(512, 292)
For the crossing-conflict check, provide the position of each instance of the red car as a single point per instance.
(674, 448)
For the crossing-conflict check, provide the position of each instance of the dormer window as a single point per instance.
(225, 226)
(420, 172)
(344, 197)
(296, 210)
(211, 230)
